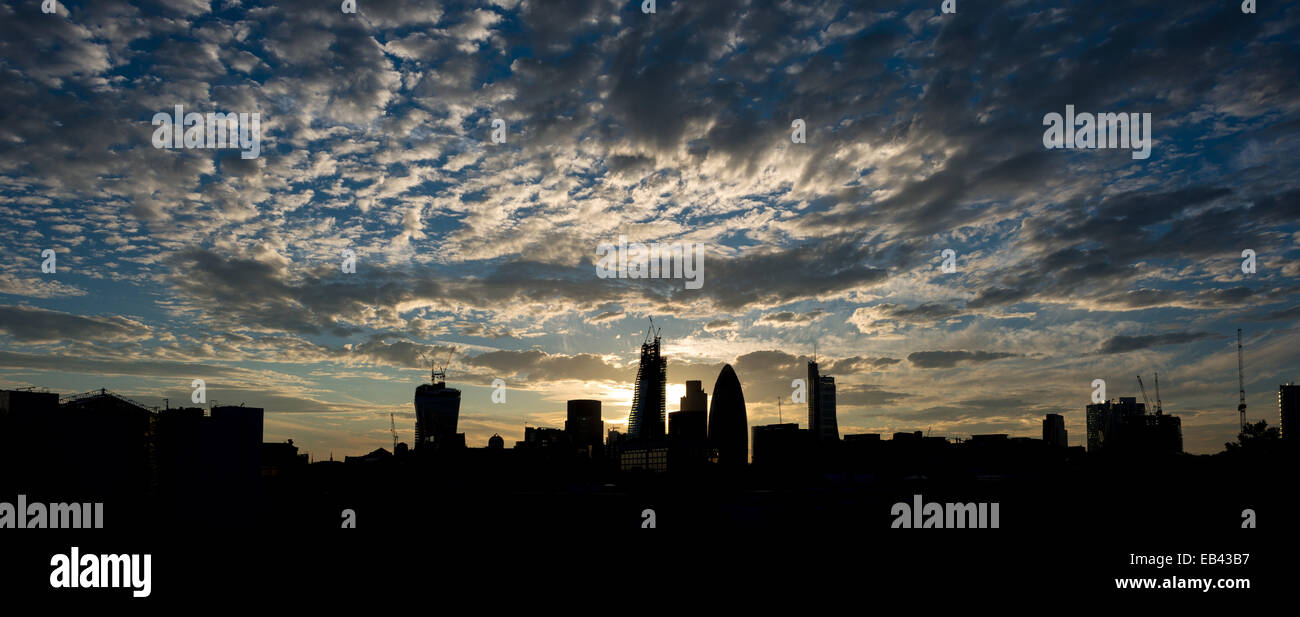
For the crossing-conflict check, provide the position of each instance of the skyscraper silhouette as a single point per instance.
(646, 422)
(691, 423)
(1288, 409)
(1054, 430)
(728, 422)
(584, 425)
(688, 430)
(822, 424)
(437, 410)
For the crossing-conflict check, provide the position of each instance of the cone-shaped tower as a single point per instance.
(728, 422)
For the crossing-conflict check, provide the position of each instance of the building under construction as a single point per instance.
(646, 420)
(437, 411)
(1124, 427)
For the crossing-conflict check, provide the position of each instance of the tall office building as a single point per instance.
(1054, 430)
(822, 424)
(437, 410)
(688, 430)
(692, 421)
(728, 422)
(1104, 419)
(584, 425)
(646, 422)
(1288, 404)
(696, 399)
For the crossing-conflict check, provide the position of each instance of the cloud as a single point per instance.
(866, 396)
(950, 359)
(538, 366)
(718, 325)
(607, 316)
(888, 317)
(1290, 313)
(857, 364)
(787, 319)
(1124, 343)
(31, 287)
(219, 376)
(35, 325)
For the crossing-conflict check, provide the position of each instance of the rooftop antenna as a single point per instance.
(778, 411)
(392, 426)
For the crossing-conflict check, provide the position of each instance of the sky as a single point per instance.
(924, 133)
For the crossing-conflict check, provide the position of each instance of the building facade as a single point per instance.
(1288, 405)
(1054, 430)
(822, 423)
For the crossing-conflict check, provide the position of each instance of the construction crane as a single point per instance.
(1241, 384)
(1144, 392)
(652, 332)
(1159, 408)
(437, 370)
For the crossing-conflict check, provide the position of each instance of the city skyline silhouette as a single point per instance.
(386, 296)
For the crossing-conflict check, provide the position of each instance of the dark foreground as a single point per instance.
(1066, 533)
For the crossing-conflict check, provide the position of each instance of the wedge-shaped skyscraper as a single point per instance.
(646, 422)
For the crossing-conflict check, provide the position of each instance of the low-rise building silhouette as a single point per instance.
(781, 447)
